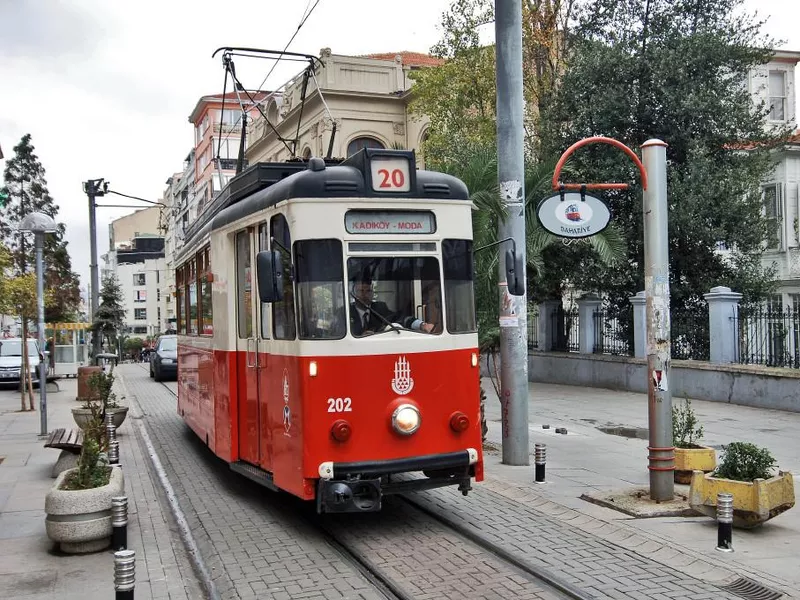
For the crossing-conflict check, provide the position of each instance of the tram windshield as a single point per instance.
(392, 293)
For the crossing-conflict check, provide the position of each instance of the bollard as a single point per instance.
(725, 522)
(539, 459)
(124, 574)
(113, 453)
(119, 523)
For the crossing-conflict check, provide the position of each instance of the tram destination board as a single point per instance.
(391, 222)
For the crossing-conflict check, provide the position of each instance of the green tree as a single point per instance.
(110, 316)
(26, 188)
(675, 71)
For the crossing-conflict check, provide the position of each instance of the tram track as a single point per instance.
(409, 552)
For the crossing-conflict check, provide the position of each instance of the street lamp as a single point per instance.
(39, 224)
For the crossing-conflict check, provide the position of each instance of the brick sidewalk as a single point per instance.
(28, 567)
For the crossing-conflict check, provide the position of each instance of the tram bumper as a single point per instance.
(360, 486)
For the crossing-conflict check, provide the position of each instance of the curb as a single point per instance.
(185, 532)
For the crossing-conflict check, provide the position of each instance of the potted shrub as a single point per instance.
(746, 472)
(689, 455)
(100, 401)
(78, 506)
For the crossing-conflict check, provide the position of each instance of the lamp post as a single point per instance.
(39, 224)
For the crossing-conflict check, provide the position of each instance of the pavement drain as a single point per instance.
(640, 433)
(751, 590)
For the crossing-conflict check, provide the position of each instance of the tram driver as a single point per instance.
(368, 316)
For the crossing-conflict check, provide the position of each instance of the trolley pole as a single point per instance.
(94, 188)
(511, 174)
(656, 282)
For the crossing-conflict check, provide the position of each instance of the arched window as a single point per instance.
(362, 142)
(272, 113)
(307, 153)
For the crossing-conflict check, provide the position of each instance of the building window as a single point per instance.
(139, 279)
(777, 95)
(140, 296)
(141, 329)
(158, 294)
(362, 142)
(773, 211)
(140, 314)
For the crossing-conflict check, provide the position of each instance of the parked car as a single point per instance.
(11, 359)
(164, 358)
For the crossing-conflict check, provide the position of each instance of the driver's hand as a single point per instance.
(427, 327)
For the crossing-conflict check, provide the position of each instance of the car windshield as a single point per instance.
(168, 344)
(392, 293)
(14, 348)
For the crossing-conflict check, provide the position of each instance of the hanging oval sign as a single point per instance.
(573, 215)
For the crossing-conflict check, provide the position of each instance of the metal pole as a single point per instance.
(725, 522)
(91, 191)
(39, 237)
(511, 174)
(124, 574)
(119, 523)
(656, 282)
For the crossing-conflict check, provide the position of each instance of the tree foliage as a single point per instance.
(110, 316)
(675, 71)
(26, 187)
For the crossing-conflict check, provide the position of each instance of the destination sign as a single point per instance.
(389, 222)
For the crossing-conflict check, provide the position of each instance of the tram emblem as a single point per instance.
(287, 414)
(402, 382)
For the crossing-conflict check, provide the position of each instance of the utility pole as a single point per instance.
(94, 188)
(656, 284)
(511, 174)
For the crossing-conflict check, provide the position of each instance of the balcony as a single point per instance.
(228, 164)
(224, 128)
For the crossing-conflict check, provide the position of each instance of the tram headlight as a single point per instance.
(406, 419)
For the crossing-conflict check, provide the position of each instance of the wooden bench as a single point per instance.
(66, 439)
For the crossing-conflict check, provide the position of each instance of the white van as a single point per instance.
(11, 359)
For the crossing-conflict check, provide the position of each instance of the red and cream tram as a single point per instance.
(327, 333)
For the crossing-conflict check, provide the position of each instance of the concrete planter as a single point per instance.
(82, 416)
(688, 460)
(754, 502)
(80, 520)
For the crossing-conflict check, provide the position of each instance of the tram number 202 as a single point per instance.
(336, 405)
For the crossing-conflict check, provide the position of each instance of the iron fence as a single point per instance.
(689, 334)
(767, 336)
(533, 330)
(566, 329)
(613, 334)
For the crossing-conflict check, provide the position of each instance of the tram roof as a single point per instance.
(350, 179)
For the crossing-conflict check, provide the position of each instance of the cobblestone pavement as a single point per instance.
(256, 545)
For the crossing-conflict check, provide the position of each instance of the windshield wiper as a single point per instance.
(374, 312)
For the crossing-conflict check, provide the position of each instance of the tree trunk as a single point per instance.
(30, 391)
(23, 371)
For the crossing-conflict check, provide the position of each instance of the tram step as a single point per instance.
(255, 473)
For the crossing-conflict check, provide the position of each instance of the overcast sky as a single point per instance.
(106, 88)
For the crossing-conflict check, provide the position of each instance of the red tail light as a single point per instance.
(459, 422)
(341, 430)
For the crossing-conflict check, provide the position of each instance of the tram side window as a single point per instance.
(179, 306)
(459, 294)
(320, 289)
(283, 323)
(206, 315)
(193, 298)
(244, 274)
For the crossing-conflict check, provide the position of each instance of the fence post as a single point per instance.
(723, 341)
(639, 302)
(547, 333)
(589, 327)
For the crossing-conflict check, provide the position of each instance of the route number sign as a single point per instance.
(390, 174)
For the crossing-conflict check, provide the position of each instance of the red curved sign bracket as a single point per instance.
(597, 186)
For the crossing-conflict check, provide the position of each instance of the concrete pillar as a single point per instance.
(722, 304)
(639, 320)
(589, 326)
(547, 331)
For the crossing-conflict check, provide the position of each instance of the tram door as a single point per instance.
(263, 358)
(247, 346)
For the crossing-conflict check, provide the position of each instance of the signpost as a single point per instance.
(573, 215)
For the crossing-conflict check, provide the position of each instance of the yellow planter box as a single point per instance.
(688, 460)
(753, 502)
